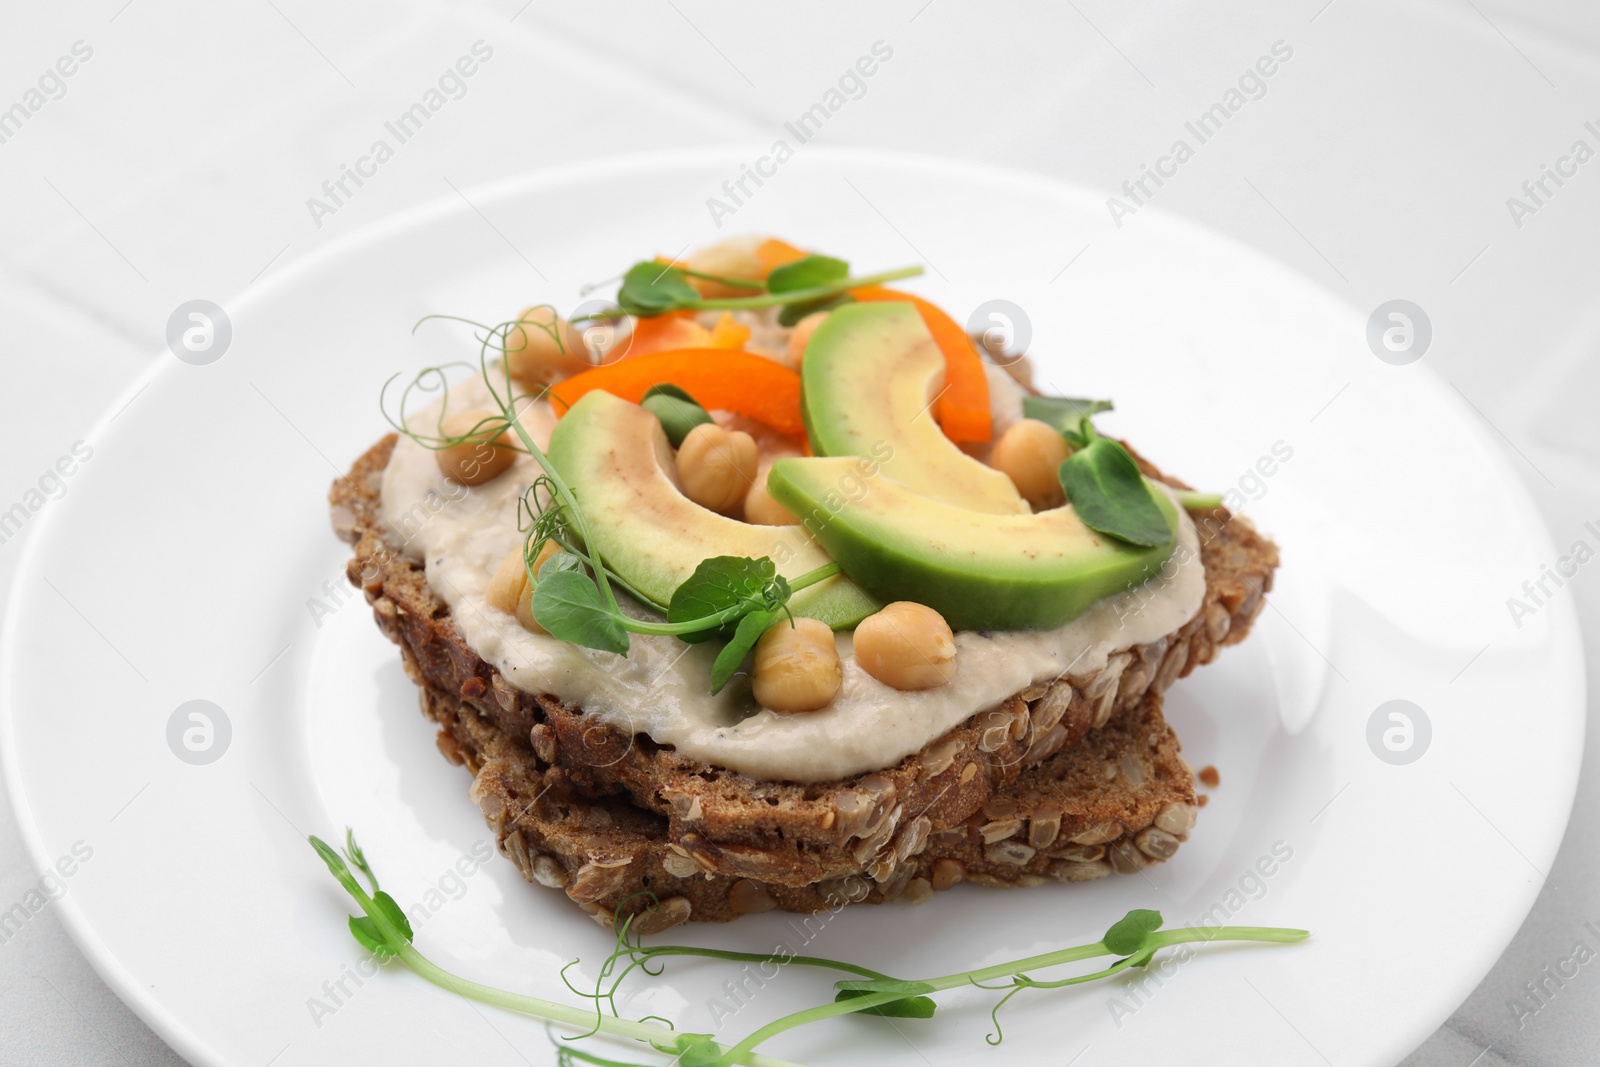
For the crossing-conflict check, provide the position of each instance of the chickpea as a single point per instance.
(906, 646)
(797, 667)
(716, 467)
(801, 336)
(761, 509)
(509, 588)
(733, 258)
(1029, 454)
(482, 456)
(532, 355)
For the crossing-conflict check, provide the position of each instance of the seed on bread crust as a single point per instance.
(1043, 826)
(1156, 843)
(543, 740)
(515, 848)
(1080, 853)
(1050, 707)
(548, 872)
(1011, 853)
(1071, 871)
(679, 865)
(598, 879)
(948, 872)
(748, 897)
(913, 838)
(1126, 859)
(674, 911)
(1098, 834)
(1177, 818)
(1000, 829)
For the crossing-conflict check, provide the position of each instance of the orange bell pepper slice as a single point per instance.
(661, 333)
(773, 253)
(963, 408)
(720, 379)
(678, 329)
(729, 334)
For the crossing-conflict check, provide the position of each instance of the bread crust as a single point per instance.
(779, 833)
(1117, 802)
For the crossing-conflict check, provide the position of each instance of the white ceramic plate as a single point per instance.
(183, 563)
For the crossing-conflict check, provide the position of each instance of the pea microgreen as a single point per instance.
(568, 604)
(651, 288)
(1106, 489)
(790, 314)
(1065, 413)
(678, 411)
(744, 638)
(1129, 933)
(812, 272)
(722, 583)
(1191, 500)
(1134, 940)
(1102, 480)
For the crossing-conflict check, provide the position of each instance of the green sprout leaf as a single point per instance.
(1191, 500)
(1129, 933)
(678, 411)
(358, 859)
(720, 584)
(812, 272)
(790, 314)
(910, 1008)
(883, 985)
(698, 1050)
(568, 604)
(393, 912)
(366, 932)
(1065, 413)
(1110, 496)
(1136, 938)
(744, 638)
(650, 288)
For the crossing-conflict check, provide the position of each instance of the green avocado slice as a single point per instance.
(616, 459)
(867, 386)
(980, 571)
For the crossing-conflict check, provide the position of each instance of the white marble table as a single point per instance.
(177, 159)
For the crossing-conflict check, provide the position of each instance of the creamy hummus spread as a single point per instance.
(661, 687)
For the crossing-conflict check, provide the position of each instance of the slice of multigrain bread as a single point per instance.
(778, 833)
(1118, 801)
